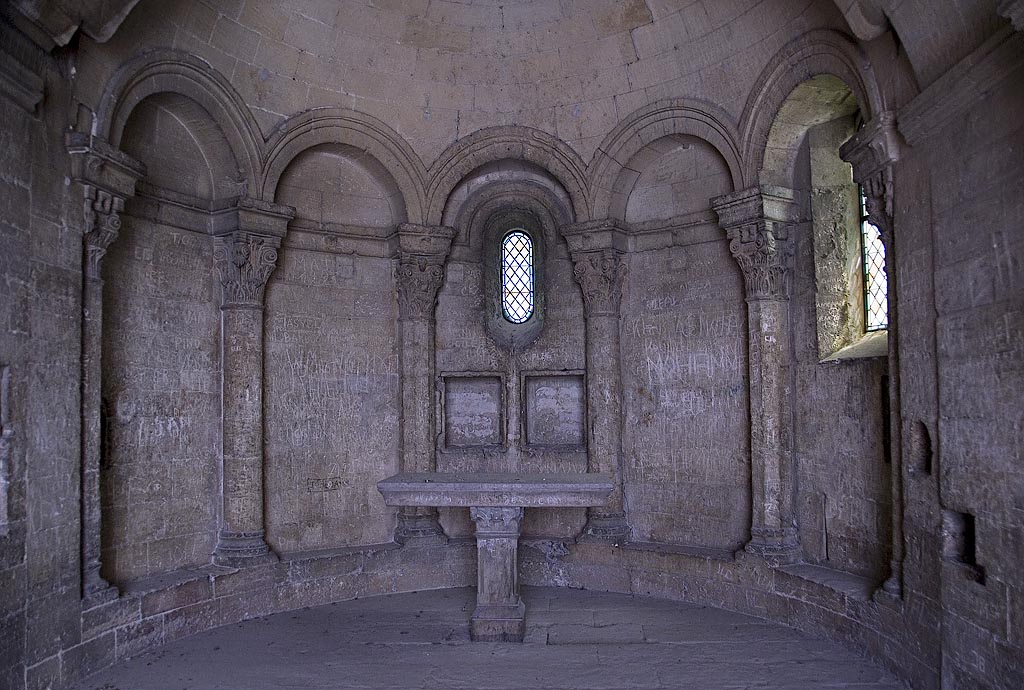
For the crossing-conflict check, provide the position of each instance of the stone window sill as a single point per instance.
(874, 344)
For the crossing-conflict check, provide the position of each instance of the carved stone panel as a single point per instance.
(555, 410)
(473, 411)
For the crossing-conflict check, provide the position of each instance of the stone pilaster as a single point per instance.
(757, 223)
(105, 178)
(598, 252)
(872, 152)
(419, 274)
(244, 259)
(500, 614)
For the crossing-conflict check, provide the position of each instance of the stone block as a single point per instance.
(177, 596)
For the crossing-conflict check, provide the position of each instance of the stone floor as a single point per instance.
(574, 639)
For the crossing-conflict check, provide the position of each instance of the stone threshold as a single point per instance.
(853, 586)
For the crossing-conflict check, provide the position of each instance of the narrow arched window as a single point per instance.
(517, 284)
(876, 288)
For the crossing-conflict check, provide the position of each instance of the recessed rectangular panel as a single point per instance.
(472, 411)
(555, 410)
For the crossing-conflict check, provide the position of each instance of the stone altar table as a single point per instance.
(496, 503)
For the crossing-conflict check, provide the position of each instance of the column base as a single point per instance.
(98, 591)
(419, 529)
(498, 622)
(243, 549)
(605, 527)
(893, 586)
(776, 545)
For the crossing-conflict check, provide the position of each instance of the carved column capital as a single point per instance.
(419, 280)
(107, 177)
(757, 223)
(244, 263)
(422, 253)
(597, 249)
(101, 224)
(500, 521)
(600, 275)
(872, 151)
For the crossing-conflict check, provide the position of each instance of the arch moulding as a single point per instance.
(820, 52)
(498, 143)
(343, 126)
(171, 71)
(663, 118)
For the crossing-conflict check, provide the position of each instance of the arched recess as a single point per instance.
(841, 425)
(820, 52)
(620, 159)
(161, 361)
(532, 369)
(507, 142)
(171, 71)
(331, 339)
(332, 126)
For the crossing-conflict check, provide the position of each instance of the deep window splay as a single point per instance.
(517, 277)
(876, 303)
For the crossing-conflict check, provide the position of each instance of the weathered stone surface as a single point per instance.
(141, 424)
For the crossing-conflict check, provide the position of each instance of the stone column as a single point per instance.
(500, 614)
(757, 222)
(245, 258)
(872, 151)
(106, 178)
(422, 253)
(598, 252)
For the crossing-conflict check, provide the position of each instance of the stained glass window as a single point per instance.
(876, 301)
(517, 276)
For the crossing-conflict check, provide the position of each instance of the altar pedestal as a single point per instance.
(496, 503)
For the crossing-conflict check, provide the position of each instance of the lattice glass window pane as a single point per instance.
(517, 276)
(876, 288)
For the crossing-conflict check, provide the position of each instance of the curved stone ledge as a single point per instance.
(165, 608)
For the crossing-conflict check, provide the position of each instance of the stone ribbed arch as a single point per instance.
(612, 178)
(819, 52)
(508, 142)
(174, 72)
(321, 126)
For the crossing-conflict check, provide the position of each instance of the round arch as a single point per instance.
(507, 142)
(321, 126)
(609, 171)
(816, 53)
(174, 72)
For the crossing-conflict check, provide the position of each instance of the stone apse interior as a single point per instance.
(251, 261)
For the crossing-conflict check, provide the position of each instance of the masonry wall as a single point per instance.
(40, 307)
(331, 368)
(976, 215)
(160, 472)
(332, 406)
(686, 418)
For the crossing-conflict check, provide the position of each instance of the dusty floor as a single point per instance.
(574, 639)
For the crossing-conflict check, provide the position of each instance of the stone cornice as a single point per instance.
(596, 235)
(950, 96)
(431, 242)
(95, 162)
